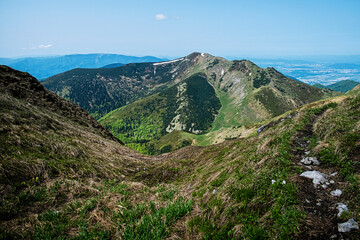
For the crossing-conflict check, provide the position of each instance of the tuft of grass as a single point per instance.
(149, 221)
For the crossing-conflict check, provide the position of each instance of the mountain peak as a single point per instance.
(198, 54)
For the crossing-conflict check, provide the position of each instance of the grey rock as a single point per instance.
(214, 191)
(316, 176)
(333, 174)
(310, 160)
(332, 181)
(341, 207)
(348, 226)
(336, 192)
(260, 129)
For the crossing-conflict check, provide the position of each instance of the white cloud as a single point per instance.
(45, 46)
(160, 17)
(42, 46)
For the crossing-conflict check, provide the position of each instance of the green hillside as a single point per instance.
(190, 106)
(64, 177)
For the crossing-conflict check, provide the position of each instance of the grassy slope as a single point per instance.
(75, 187)
(142, 121)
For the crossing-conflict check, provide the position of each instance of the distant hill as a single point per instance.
(44, 67)
(113, 65)
(341, 86)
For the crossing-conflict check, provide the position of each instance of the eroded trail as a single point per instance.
(320, 192)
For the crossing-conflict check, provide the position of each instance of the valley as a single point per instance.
(65, 176)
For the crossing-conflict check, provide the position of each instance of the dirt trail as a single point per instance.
(319, 201)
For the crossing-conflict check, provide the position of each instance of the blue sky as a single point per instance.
(258, 28)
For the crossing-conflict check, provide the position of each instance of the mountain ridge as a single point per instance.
(44, 67)
(248, 94)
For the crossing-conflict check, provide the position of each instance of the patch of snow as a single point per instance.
(316, 176)
(273, 181)
(333, 174)
(336, 192)
(222, 72)
(283, 182)
(203, 54)
(348, 226)
(341, 207)
(172, 61)
(214, 191)
(332, 181)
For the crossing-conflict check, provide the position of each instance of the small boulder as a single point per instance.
(348, 226)
(336, 192)
(310, 160)
(316, 176)
(260, 129)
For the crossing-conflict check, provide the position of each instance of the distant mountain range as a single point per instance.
(44, 67)
(195, 94)
(341, 86)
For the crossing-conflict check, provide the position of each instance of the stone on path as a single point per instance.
(316, 176)
(310, 160)
(336, 192)
(348, 226)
